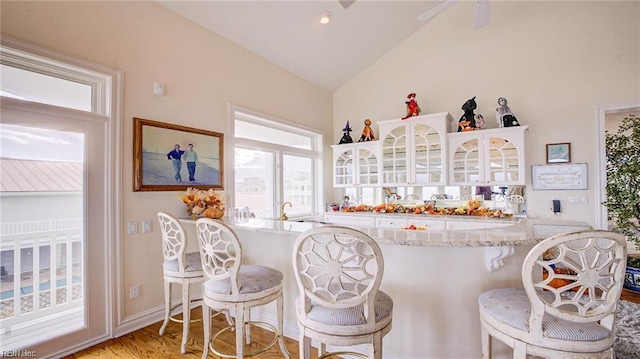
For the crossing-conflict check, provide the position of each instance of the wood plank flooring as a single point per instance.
(630, 296)
(147, 343)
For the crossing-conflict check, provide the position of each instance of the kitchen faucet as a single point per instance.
(283, 216)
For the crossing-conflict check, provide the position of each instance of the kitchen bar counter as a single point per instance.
(434, 276)
(481, 231)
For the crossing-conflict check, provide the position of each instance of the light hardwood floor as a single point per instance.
(147, 343)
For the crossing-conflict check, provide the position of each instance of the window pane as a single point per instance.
(269, 134)
(298, 184)
(254, 173)
(35, 87)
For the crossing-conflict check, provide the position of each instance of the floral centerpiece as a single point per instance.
(202, 202)
(472, 208)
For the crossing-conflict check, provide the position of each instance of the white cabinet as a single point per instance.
(487, 157)
(388, 222)
(356, 164)
(414, 151)
(350, 220)
(476, 224)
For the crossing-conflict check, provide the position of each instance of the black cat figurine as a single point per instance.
(470, 121)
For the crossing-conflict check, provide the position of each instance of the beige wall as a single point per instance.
(555, 62)
(202, 73)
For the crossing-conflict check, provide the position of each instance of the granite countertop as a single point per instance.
(519, 231)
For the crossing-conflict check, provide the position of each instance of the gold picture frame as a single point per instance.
(159, 165)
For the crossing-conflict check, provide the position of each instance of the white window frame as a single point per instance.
(316, 154)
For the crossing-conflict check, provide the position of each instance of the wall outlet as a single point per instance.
(577, 200)
(134, 292)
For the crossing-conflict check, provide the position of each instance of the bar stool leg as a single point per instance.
(247, 328)
(186, 316)
(283, 348)
(239, 331)
(206, 322)
(167, 306)
(304, 343)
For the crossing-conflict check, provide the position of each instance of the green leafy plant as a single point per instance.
(623, 179)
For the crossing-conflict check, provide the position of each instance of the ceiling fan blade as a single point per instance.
(346, 3)
(482, 13)
(436, 10)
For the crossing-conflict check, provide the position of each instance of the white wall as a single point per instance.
(554, 61)
(202, 73)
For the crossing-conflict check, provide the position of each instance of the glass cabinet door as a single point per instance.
(427, 155)
(504, 161)
(367, 167)
(394, 157)
(466, 163)
(343, 169)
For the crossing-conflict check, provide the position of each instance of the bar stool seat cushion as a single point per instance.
(251, 279)
(320, 315)
(511, 306)
(193, 265)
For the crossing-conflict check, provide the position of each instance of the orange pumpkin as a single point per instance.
(213, 212)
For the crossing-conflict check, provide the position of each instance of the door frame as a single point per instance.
(109, 105)
(601, 179)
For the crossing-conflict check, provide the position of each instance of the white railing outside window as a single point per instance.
(42, 270)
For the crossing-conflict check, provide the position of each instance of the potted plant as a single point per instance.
(623, 189)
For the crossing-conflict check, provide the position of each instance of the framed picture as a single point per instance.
(560, 176)
(558, 152)
(168, 157)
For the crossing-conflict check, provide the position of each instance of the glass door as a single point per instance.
(53, 252)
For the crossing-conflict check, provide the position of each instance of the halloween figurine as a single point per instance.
(346, 138)
(412, 106)
(470, 121)
(367, 132)
(504, 116)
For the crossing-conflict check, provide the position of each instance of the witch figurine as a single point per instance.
(346, 138)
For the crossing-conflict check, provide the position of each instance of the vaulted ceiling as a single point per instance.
(289, 34)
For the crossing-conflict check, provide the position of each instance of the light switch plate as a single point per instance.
(132, 228)
(147, 226)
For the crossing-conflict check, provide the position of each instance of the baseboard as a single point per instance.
(140, 320)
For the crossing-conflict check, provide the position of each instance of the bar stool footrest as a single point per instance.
(262, 325)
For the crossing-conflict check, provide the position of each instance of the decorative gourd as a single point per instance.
(213, 212)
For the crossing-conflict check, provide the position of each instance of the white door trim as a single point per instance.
(109, 104)
(601, 179)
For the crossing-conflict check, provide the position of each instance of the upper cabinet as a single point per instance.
(356, 164)
(414, 151)
(487, 157)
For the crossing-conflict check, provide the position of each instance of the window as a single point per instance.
(274, 163)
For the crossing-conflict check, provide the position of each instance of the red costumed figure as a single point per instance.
(412, 106)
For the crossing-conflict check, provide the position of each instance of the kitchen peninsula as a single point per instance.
(434, 275)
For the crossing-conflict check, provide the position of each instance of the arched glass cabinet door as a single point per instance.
(395, 157)
(343, 166)
(428, 156)
(368, 172)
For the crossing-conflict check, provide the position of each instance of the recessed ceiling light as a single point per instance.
(325, 18)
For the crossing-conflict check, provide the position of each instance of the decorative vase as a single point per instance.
(213, 213)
